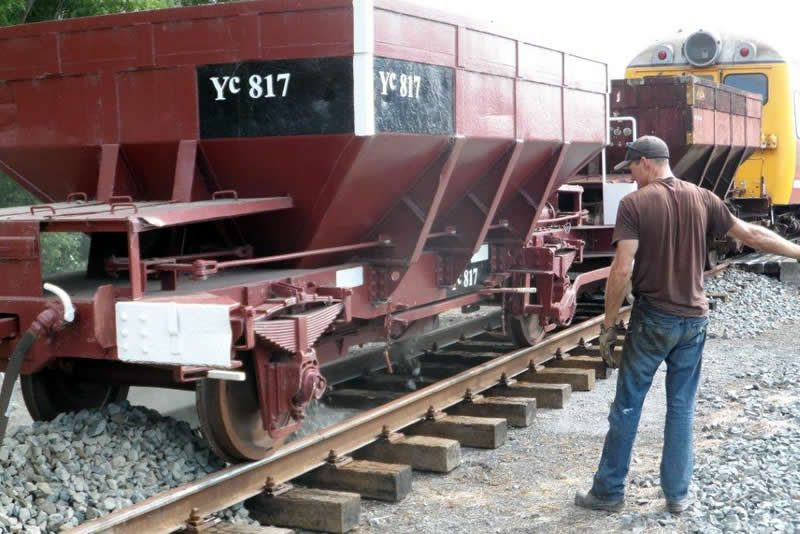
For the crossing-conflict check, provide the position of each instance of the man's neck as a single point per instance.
(661, 176)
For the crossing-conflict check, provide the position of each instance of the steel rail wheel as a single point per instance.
(51, 392)
(525, 331)
(231, 420)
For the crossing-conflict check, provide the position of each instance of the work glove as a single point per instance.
(606, 342)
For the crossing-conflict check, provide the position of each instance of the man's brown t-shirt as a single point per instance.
(671, 219)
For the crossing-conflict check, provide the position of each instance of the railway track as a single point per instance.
(511, 380)
(187, 506)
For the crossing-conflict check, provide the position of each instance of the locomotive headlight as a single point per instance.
(702, 48)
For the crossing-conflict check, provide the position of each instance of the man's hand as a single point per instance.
(618, 285)
(606, 341)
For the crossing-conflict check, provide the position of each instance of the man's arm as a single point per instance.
(761, 238)
(618, 279)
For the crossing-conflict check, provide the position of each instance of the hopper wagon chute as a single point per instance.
(265, 184)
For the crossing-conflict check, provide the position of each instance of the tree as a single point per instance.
(41, 10)
(65, 9)
(11, 11)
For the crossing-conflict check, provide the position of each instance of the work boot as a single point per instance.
(678, 507)
(588, 500)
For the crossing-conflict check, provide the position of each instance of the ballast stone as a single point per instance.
(745, 304)
(80, 466)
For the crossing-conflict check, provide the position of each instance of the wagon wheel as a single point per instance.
(51, 392)
(231, 420)
(525, 331)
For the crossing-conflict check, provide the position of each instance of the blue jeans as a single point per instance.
(653, 337)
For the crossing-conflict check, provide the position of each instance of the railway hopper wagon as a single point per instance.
(266, 184)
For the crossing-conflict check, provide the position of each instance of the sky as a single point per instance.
(614, 32)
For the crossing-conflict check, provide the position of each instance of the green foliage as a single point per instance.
(64, 252)
(11, 11)
(61, 252)
(185, 3)
(12, 194)
(14, 11)
(65, 9)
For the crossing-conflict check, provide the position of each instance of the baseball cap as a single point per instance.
(647, 146)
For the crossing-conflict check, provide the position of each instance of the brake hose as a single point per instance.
(12, 372)
(43, 322)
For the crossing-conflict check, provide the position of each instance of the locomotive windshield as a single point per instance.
(754, 83)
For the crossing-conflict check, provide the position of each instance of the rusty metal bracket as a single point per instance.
(124, 205)
(505, 381)
(273, 489)
(42, 207)
(248, 328)
(337, 460)
(434, 415)
(391, 437)
(470, 397)
(198, 523)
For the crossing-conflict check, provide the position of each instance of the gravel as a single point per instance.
(745, 304)
(752, 481)
(80, 466)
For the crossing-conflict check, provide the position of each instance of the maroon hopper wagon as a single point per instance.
(265, 184)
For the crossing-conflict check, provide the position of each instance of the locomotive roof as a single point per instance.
(731, 43)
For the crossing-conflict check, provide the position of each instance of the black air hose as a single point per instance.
(12, 372)
(49, 318)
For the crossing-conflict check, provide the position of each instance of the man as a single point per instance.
(663, 227)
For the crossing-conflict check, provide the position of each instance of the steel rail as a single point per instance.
(170, 510)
